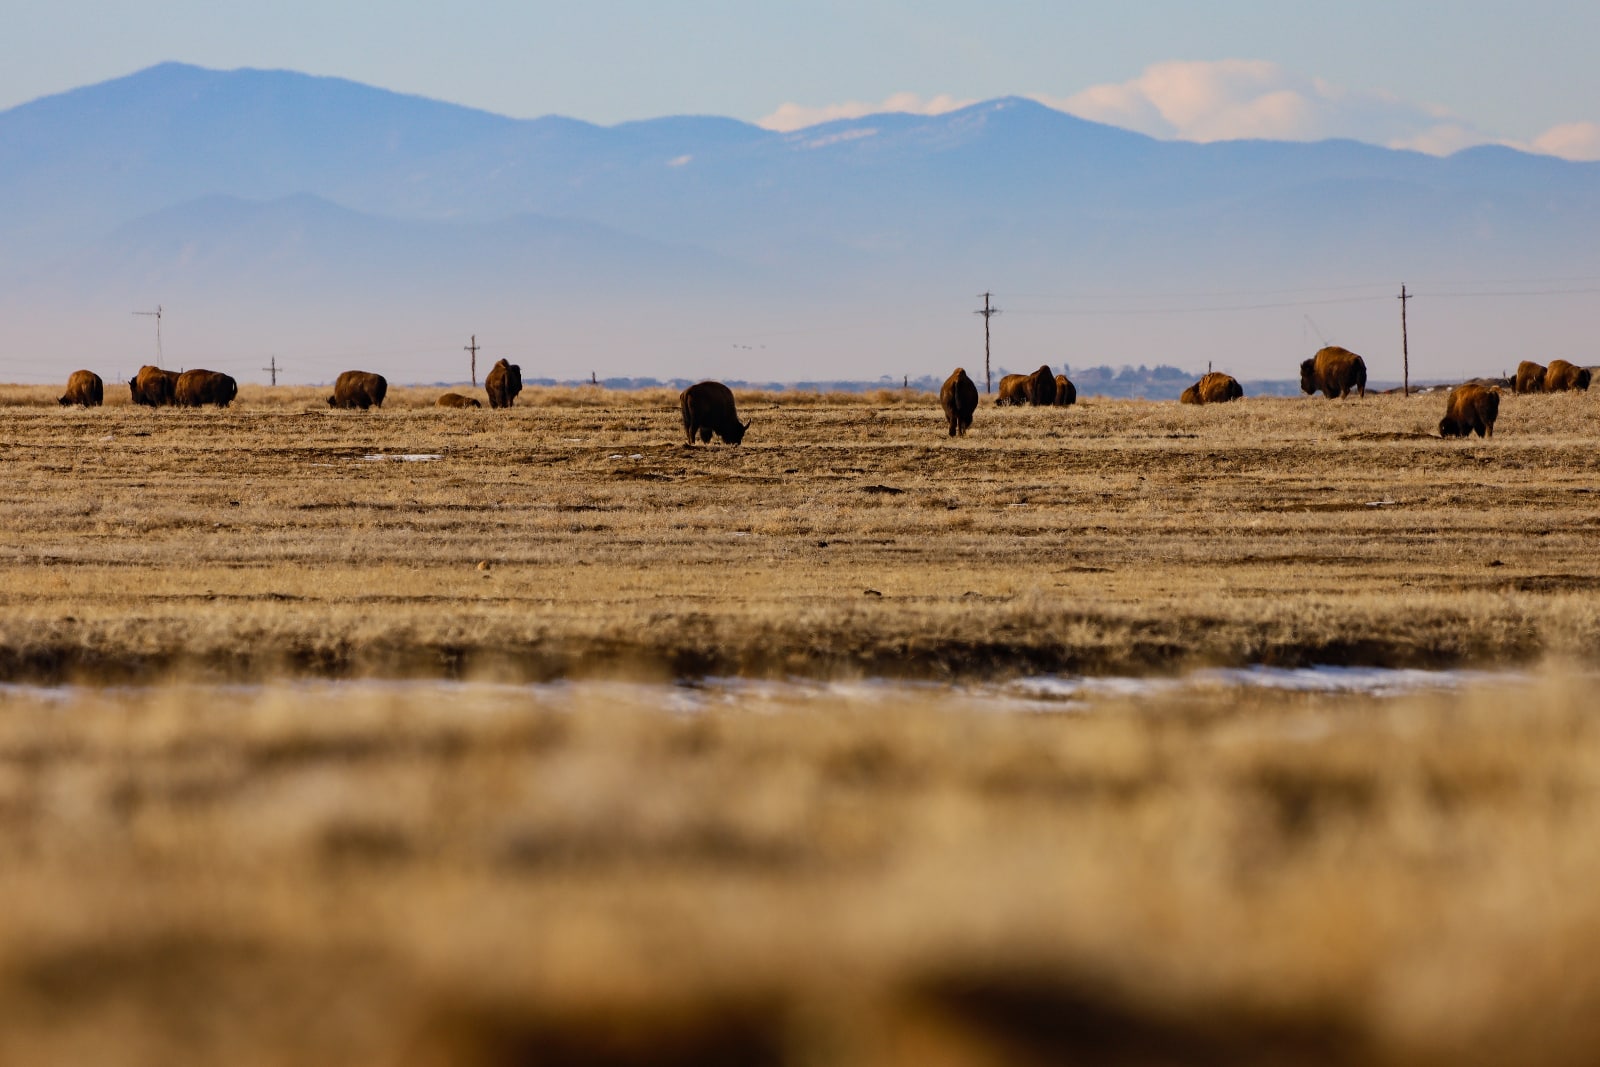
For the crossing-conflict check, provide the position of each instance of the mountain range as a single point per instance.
(330, 224)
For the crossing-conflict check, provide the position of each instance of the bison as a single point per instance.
(959, 398)
(1213, 388)
(359, 389)
(456, 400)
(197, 387)
(1038, 388)
(1530, 377)
(708, 409)
(84, 387)
(503, 383)
(1066, 392)
(1013, 390)
(1470, 409)
(153, 387)
(1562, 376)
(1335, 371)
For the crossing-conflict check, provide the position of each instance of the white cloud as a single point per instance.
(1236, 99)
(792, 117)
(1572, 140)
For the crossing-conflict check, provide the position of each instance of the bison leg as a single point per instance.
(705, 435)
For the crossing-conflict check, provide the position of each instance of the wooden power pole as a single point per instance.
(987, 312)
(1405, 349)
(473, 348)
(272, 368)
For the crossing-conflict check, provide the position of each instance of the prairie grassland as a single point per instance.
(428, 872)
(407, 875)
(576, 535)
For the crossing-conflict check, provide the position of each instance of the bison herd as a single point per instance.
(708, 407)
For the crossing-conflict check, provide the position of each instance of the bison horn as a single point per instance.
(747, 424)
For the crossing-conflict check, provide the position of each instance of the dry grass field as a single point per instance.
(482, 875)
(576, 535)
(300, 804)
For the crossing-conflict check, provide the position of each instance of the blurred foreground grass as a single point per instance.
(464, 875)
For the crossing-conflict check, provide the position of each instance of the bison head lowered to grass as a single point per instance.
(359, 389)
(1470, 409)
(708, 409)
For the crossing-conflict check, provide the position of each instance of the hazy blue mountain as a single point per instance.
(860, 243)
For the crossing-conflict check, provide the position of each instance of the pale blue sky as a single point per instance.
(1389, 71)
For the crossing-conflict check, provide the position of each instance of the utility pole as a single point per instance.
(157, 314)
(473, 348)
(272, 368)
(987, 312)
(1405, 349)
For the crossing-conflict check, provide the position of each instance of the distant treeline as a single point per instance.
(1161, 382)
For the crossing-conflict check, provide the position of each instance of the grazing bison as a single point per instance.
(1530, 377)
(456, 400)
(1013, 390)
(1336, 371)
(959, 398)
(708, 409)
(153, 387)
(1470, 409)
(86, 388)
(503, 383)
(1066, 392)
(1562, 376)
(196, 387)
(1038, 388)
(1213, 388)
(359, 389)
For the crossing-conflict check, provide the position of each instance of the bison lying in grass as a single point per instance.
(1214, 388)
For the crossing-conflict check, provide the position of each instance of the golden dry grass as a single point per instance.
(416, 875)
(847, 535)
(424, 873)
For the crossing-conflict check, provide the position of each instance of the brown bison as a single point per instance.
(84, 387)
(708, 409)
(197, 387)
(1335, 371)
(456, 400)
(1038, 388)
(359, 389)
(959, 398)
(503, 383)
(1066, 392)
(1562, 376)
(1213, 388)
(1470, 409)
(1530, 377)
(153, 387)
